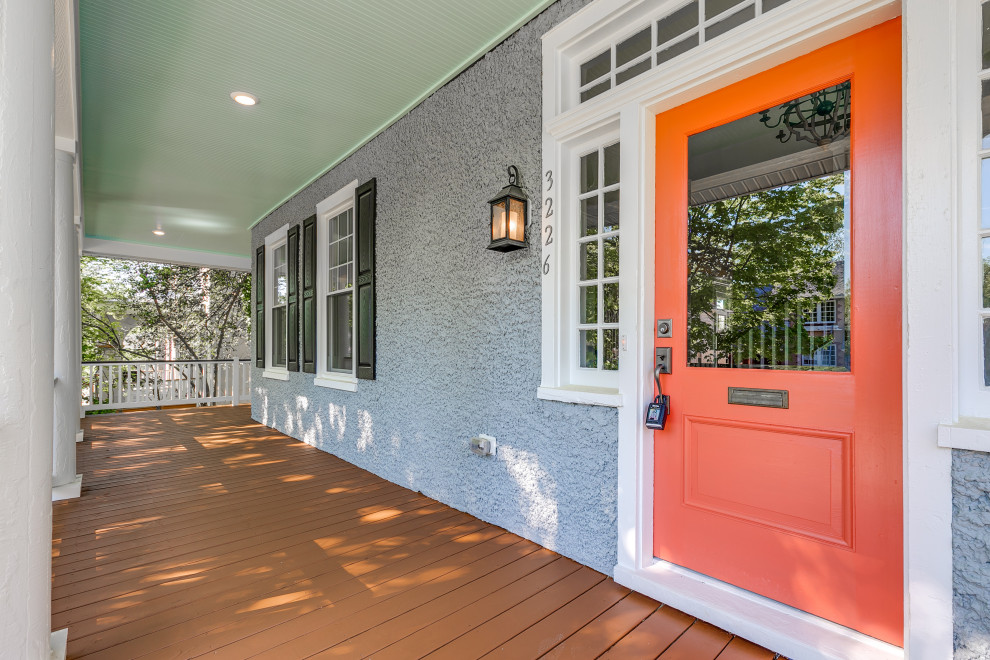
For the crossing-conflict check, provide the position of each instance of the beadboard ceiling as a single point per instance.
(164, 145)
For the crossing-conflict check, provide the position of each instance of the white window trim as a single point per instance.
(333, 205)
(275, 239)
(794, 29)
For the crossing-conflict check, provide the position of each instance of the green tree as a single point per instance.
(141, 311)
(769, 256)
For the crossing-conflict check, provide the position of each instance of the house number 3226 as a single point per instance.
(548, 227)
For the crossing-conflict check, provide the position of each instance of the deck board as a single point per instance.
(200, 532)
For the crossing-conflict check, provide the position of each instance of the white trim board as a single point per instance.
(794, 29)
(69, 491)
(101, 247)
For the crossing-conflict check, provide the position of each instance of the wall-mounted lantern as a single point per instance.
(509, 209)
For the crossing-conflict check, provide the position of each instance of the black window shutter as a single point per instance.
(259, 308)
(292, 311)
(364, 205)
(309, 295)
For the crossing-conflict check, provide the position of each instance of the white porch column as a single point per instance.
(66, 268)
(27, 144)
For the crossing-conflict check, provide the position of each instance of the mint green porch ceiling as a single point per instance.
(163, 143)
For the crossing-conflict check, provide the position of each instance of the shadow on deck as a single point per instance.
(200, 531)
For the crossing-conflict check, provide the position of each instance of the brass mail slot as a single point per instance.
(749, 396)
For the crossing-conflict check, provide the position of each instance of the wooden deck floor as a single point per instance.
(200, 532)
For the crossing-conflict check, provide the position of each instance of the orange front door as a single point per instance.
(778, 259)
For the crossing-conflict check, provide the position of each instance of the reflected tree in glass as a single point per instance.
(766, 259)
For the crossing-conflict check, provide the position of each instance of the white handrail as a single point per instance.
(124, 385)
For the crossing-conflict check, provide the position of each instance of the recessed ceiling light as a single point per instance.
(157, 232)
(244, 98)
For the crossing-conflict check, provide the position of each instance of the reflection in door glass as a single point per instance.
(768, 238)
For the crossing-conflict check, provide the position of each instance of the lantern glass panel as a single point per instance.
(498, 220)
(517, 219)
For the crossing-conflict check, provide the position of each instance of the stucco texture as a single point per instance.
(459, 326)
(971, 554)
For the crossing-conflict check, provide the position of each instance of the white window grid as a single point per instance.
(340, 272)
(600, 237)
(699, 34)
(280, 275)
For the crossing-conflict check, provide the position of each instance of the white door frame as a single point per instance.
(790, 31)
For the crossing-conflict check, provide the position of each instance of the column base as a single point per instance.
(79, 435)
(68, 491)
(59, 641)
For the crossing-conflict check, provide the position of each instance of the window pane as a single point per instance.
(610, 303)
(986, 352)
(589, 216)
(772, 4)
(633, 71)
(986, 272)
(610, 257)
(589, 172)
(278, 336)
(985, 106)
(610, 349)
(588, 346)
(589, 260)
(611, 164)
(733, 21)
(592, 92)
(715, 7)
(339, 337)
(985, 193)
(611, 220)
(596, 67)
(589, 305)
(677, 23)
(768, 284)
(986, 35)
(633, 47)
(679, 48)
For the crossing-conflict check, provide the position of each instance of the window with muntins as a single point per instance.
(280, 292)
(598, 259)
(664, 38)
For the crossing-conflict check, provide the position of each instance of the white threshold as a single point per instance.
(589, 396)
(778, 627)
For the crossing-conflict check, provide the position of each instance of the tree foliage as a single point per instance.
(769, 256)
(147, 311)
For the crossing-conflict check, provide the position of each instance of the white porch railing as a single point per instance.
(122, 385)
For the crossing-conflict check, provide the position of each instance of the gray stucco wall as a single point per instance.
(458, 325)
(971, 554)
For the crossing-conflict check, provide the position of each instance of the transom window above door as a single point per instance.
(661, 39)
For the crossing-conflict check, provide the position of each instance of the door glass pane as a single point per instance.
(768, 238)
